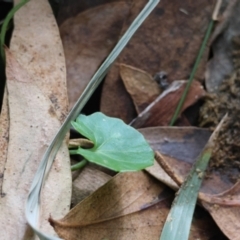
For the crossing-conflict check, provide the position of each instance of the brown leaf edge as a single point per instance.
(230, 197)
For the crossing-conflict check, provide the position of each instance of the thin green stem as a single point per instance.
(184, 95)
(5, 26)
(79, 165)
(73, 152)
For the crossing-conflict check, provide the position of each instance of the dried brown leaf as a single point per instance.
(4, 136)
(71, 8)
(179, 148)
(36, 44)
(130, 206)
(140, 85)
(87, 39)
(36, 84)
(117, 211)
(88, 181)
(115, 100)
(227, 218)
(179, 145)
(168, 40)
(161, 110)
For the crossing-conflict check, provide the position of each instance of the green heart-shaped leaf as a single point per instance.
(117, 146)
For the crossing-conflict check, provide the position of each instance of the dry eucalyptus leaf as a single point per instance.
(179, 148)
(118, 210)
(157, 171)
(71, 8)
(168, 40)
(161, 110)
(87, 39)
(130, 206)
(140, 85)
(226, 216)
(29, 136)
(37, 46)
(36, 84)
(88, 181)
(4, 131)
(115, 100)
(183, 144)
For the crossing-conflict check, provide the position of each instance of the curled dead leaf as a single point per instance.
(140, 85)
(160, 111)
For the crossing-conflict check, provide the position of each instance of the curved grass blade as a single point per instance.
(195, 67)
(33, 201)
(178, 223)
(5, 26)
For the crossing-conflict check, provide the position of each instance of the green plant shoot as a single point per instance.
(117, 146)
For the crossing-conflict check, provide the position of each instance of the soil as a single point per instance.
(226, 154)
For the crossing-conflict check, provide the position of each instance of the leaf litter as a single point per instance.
(160, 111)
(180, 162)
(225, 100)
(168, 41)
(140, 85)
(87, 182)
(32, 206)
(131, 205)
(82, 35)
(117, 90)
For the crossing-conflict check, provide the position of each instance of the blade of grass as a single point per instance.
(33, 201)
(5, 26)
(178, 223)
(199, 56)
(184, 95)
